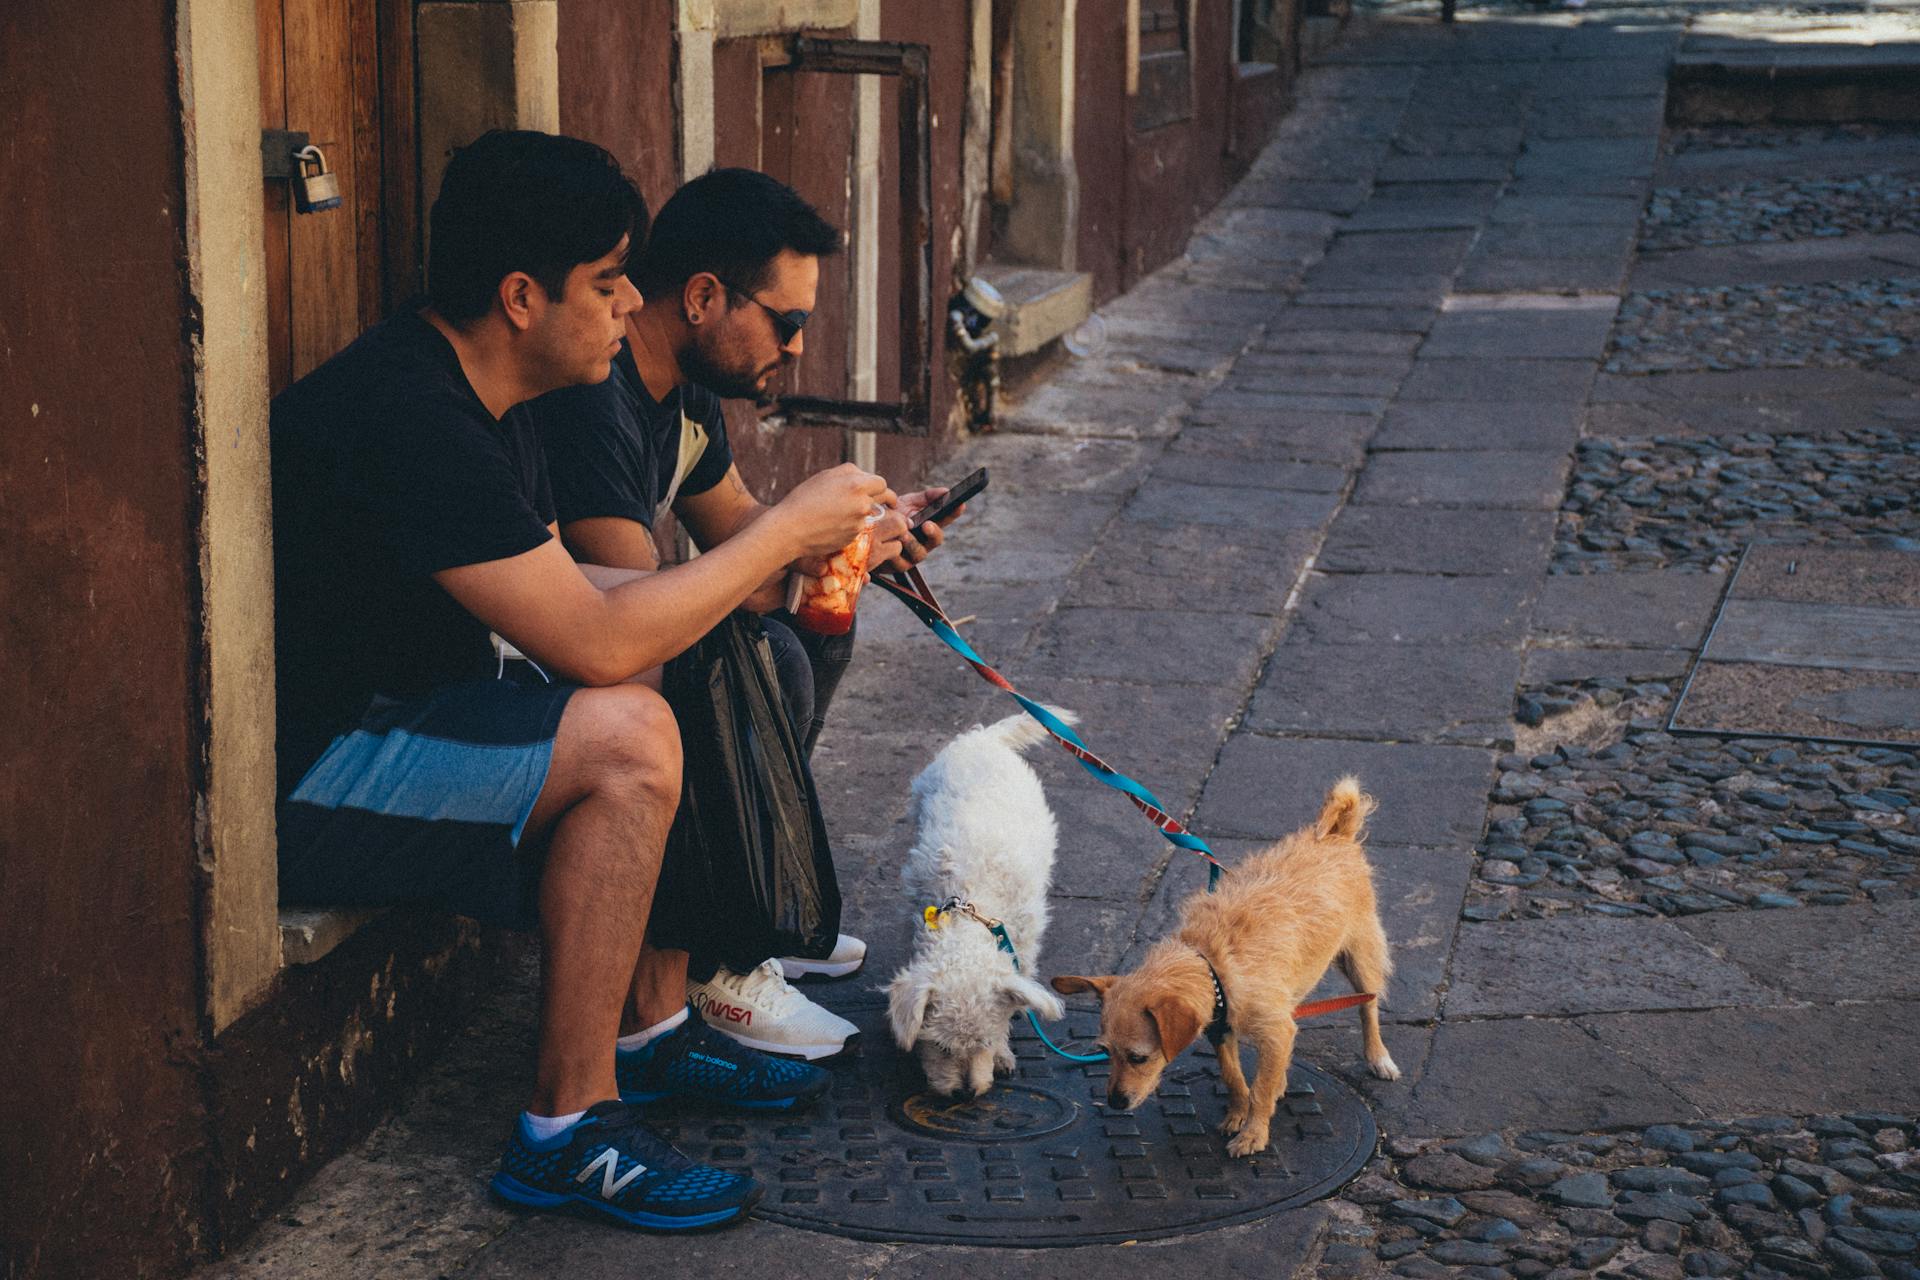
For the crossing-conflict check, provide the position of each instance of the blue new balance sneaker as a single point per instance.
(611, 1165)
(695, 1061)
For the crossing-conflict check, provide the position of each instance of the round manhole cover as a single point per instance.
(1039, 1161)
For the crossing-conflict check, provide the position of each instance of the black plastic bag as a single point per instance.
(748, 871)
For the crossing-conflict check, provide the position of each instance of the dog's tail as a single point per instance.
(1345, 812)
(1022, 731)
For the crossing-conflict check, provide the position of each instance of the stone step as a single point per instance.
(1041, 305)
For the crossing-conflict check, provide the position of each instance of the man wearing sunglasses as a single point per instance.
(729, 278)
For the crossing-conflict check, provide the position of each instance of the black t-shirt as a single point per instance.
(387, 468)
(616, 451)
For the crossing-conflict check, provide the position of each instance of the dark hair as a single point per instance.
(731, 222)
(520, 200)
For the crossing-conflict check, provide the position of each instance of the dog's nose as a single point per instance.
(963, 1094)
(1118, 1101)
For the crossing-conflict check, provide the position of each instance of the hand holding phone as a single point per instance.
(956, 498)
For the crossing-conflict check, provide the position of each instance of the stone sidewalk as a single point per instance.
(1301, 518)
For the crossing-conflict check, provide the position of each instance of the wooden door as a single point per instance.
(340, 71)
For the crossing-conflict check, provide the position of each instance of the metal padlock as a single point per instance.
(314, 190)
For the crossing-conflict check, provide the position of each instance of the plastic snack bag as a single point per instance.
(825, 604)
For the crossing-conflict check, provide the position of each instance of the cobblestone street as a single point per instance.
(1430, 462)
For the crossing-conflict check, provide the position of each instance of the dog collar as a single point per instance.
(1217, 1029)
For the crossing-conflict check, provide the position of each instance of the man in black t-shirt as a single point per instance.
(413, 521)
(730, 276)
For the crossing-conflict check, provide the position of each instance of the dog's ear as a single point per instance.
(1021, 992)
(1068, 984)
(907, 999)
(1176, 1023)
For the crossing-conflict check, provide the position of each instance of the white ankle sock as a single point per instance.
(641, 1039)
(544, 1127)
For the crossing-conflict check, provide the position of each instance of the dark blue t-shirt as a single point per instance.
(386, 469)
(614, 450)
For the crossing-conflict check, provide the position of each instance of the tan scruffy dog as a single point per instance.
(1269, 932)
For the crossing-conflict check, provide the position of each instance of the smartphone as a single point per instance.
(960, 493)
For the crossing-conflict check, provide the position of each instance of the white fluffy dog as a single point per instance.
(983, 834)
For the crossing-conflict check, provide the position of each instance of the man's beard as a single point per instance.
(728, 384)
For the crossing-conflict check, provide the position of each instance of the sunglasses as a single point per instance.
(786, 324)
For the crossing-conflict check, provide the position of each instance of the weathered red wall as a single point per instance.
(945, 29)
(616, 85)
(99, 960)
(1142, 191)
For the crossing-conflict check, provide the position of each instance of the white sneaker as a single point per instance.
(849, 954)
(761, 1011)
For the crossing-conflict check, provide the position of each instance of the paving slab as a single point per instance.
(1418, 137)
(1467, 424)
(1819, 416)
(1862, 637)
(1197, 567)
(1584, 157)
(1584, 964)
(1662, 610)
(1570, 211)
(1264, 380)
(1262, 361)
(1445, 168)
(1259, 516)
(1332, 195)
(1095, 411)
(1550, 382)
(1794, 1061)
(1368, 319)
(1428, 540)
(1610, 243)
(1537, 328)
(1536, 1073)
(1430, 796)
(1847, 704)
(1033, 464)
(1554, 666)
(1014, 540)
(1494, 273)
(1389, 289)
(1436, 213)
(1399, 608)
(1242, 435)
(1309, 342)
(1281, 401)
(1419, 693)
(1154, 646)
(1853, 257)
(1524, 481)
(1770, 385)
(1250, 473)
(1823, 953)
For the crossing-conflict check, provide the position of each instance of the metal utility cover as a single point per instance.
(1038, 1161)
(1821, 644)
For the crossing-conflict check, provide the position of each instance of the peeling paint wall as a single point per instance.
(100, 953)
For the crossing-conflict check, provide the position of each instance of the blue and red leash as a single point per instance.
(918, 597)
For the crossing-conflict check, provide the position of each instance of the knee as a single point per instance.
(633, 743)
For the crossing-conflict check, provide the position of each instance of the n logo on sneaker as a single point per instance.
(608, 1163)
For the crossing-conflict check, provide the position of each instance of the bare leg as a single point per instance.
(1235, 1079)
(659, 989)
(1366, 964)
(1275, 1044)
(609, 799)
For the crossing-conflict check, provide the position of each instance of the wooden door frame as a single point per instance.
(235, 855)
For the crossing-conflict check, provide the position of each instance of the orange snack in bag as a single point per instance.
(826, 603)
